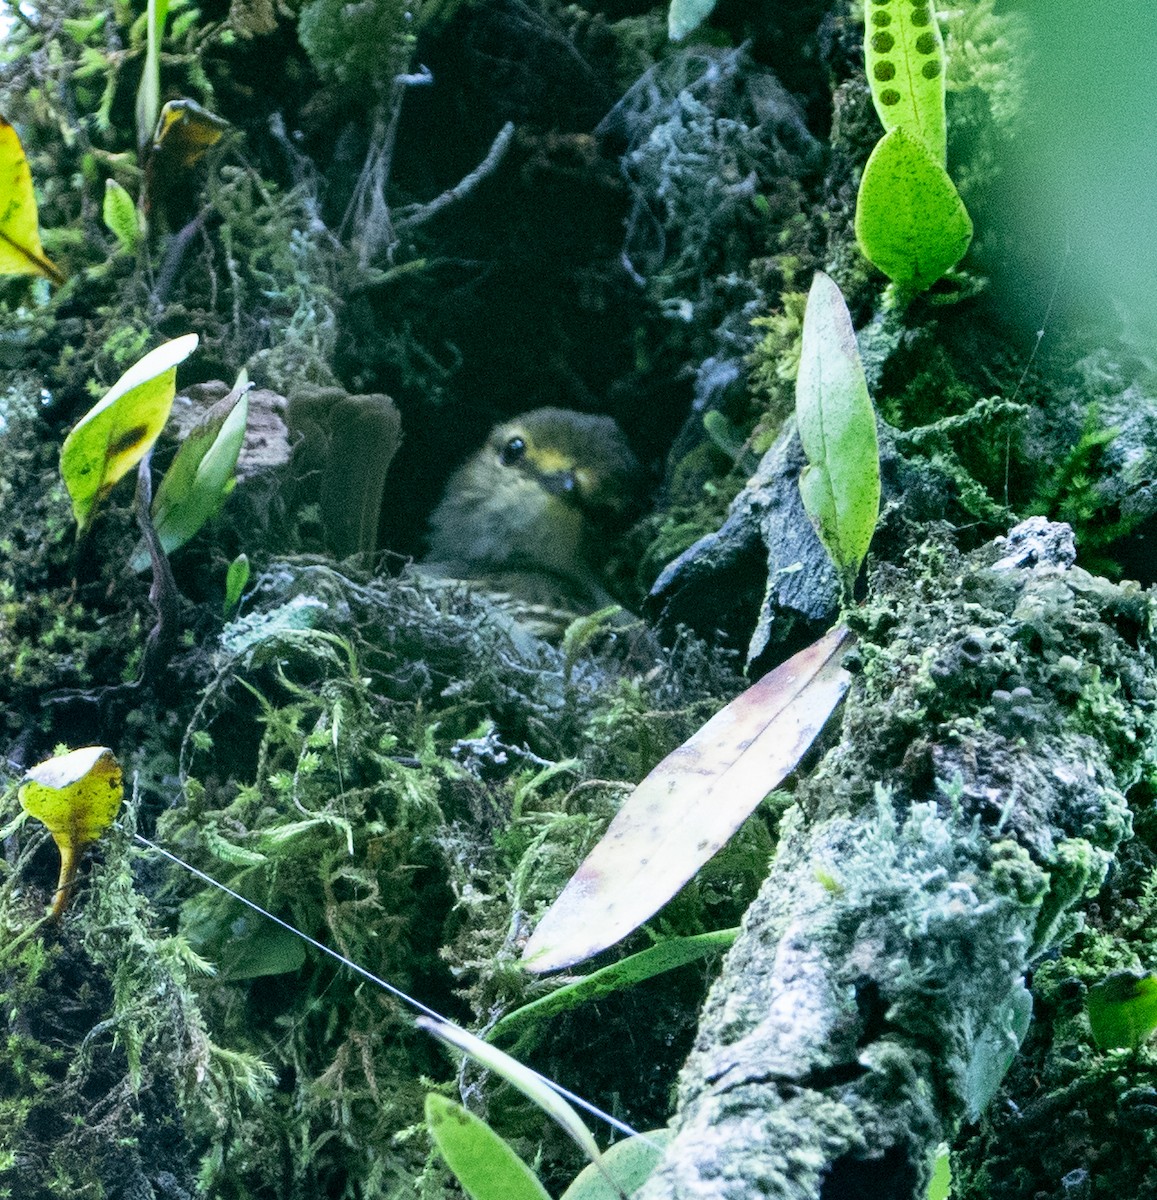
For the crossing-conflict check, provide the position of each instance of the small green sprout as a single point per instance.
(1122, 1009)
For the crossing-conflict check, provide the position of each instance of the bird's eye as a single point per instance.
(512, 451)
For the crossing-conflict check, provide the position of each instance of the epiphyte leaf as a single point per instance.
(840, 486)
(240, 944)
(940, 1185)
(484, 1163)
(236, 577)
(993, 1047)
(688, 807)
(667, 955)
(111, 438)
(185, 131)
(910, 220)
(685, 16)
(904, 54)
(20, 250)
(530, 1083)
(77, 796)
(1122, 1009)
(149, 91)
(629, 1162)
(119, 213)
(200, 476)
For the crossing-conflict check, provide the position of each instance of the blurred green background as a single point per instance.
(1083, 178)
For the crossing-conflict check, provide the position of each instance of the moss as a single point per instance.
(347, 42)
(107, 1061)
(398, 771)
(1069, 655)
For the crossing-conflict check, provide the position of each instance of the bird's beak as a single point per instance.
(559, 483)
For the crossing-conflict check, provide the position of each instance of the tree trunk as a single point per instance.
(876, 995)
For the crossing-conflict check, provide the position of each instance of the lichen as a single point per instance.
(876, 995)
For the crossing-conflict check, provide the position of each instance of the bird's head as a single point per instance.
(536, 496)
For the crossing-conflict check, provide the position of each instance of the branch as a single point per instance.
(413, 215)
(163, 594)
(875, 996)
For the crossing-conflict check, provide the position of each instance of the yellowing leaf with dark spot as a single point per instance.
(113, 437)
(77, 796)
(691, 803)
(20, 250)
(185, 131)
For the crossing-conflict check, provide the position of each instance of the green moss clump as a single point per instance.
(350, 42)
(401, 772)
(108, 1070)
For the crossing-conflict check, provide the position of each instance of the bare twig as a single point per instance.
(413, 215)
(174, 256)
(163, 594)
(369, 209)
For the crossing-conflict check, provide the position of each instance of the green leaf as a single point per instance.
(629, 1163)
(904, 54)
(149, 91)
(200, 476)
(485, 1165)
(840, 485)
(120, 215)
(910, 220)
(1123, 1009)
(940, 1185)
(254, 947)
(992, 1049)
(110, 439)
(235, 580)
(685, 16)
(531, 1084)
(690, 804)
(666, 956)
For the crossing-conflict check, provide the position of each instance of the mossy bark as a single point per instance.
(876, 995)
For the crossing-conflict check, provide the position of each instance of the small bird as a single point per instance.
(523, 517)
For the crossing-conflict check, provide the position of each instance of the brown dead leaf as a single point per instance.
(688, 807)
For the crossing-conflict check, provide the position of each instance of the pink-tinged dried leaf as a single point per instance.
(691, 803)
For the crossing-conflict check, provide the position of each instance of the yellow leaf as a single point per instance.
(76, 795)
(20, 250)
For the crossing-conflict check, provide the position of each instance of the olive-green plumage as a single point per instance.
(523, 516)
